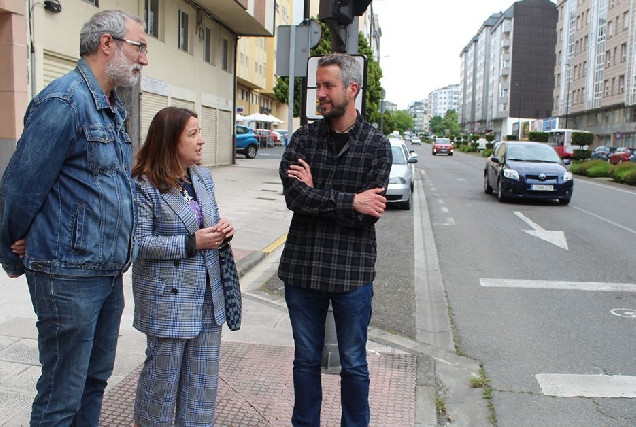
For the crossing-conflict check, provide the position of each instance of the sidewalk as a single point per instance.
(255, 387)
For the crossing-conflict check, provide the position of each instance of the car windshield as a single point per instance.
(398, 155)
(533, 153)
(442, 141)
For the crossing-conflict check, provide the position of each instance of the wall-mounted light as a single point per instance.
(52, 6)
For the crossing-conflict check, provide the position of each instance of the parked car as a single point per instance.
(268, 137)
(282, 136)
(246, 142)
(416, 141)
(400, 188)
(602, 152)
(533, 170)
(442, 146)
(622, 154)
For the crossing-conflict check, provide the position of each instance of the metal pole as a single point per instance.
(519, 112)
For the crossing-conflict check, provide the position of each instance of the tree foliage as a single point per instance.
(373, 89)
(447, 125)
(403, 121)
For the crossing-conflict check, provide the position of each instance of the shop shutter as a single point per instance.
(225, 145)
(151, 103)
(208, 129)
(176, 102)
(56, 65)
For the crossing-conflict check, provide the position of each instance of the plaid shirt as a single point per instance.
(330, 246)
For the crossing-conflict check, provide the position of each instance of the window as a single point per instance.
(151, 16)
(624, 52)
(225, 59)
(93, 2)
(207, 46)
(183, 30)
(608, 59)
(625, 21)
(621, 83)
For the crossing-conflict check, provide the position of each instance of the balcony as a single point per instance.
(505, 43)
(246, 18)
(505, 71)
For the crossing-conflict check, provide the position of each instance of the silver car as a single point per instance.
(400, 189)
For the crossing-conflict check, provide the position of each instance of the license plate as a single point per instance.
(542, 187)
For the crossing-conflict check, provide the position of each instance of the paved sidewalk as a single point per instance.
(256, 363)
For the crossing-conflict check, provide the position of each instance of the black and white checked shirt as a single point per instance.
(331, 247)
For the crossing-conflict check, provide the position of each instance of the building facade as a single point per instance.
(595, 73)
(443, 99)
(419, 111)
(192, 60)
(507, 70)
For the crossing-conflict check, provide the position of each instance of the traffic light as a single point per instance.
(341, 11)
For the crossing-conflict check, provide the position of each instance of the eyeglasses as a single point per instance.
(143, 47)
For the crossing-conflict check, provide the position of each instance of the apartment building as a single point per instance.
(443, 99)
(256, 79)
(506, 75)
(419, 111)
(595, 71)
(192, 47)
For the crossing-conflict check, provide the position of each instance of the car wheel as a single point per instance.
(250, 151)
(500, 195)
(487, 188)
(407, 205)
(433, 152)
(450, 154)
(564, 201)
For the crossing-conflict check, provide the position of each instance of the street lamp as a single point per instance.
(519, 112)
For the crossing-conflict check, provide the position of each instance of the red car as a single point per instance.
(267, 137)
(622, 154)
(442, 146)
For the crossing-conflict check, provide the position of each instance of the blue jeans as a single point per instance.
(78, 326)
(352, 314)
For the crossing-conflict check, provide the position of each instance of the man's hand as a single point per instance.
(301, 172)
(18, 248)
(370, 202)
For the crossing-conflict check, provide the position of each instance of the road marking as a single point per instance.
(630, 313)
(555, 237)
(571, 385)
(556, 284)
(606, 220)
(445, 210)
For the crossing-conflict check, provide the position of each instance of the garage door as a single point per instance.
(176, 102)
(56, 65)
(151, 103)
(208, 129)
(225, 146)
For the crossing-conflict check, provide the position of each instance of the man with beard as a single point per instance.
(67, 218)
(334, 172)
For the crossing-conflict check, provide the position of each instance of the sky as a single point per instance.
(422, 40)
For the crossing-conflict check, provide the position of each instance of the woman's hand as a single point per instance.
(208, 238)
(225, 227)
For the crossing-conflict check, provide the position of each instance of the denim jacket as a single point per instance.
(67, 188)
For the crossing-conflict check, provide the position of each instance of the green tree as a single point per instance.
(403, 121)
(435, 125)
(451, 123)
(373, 89)
(388, 125)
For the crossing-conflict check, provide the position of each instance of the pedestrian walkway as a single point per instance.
(256, 362)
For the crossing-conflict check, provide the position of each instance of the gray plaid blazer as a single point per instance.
(169, 287)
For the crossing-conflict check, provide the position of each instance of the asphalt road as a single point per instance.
(543, 295)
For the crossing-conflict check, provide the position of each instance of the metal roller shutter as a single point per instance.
(208, 129)
(225, 146)
(150, 105)
(56, 65)
(176, 102)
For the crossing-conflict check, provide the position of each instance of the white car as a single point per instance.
(400, 189)
(416, 141)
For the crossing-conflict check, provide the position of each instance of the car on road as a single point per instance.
(527, 170)
(622, 154)
(282, 136)
(442, 146)
(268, 137)
(416, 140)
(246, 142)
(602, 152)
(401, 185)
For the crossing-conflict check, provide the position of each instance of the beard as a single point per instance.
(121, 71)
(337, 110)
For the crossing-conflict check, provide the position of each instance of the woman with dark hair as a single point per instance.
(179, 302)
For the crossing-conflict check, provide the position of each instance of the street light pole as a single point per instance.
(567, 97)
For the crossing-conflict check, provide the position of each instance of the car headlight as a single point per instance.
(511, 174)
(567, 176)
(397, 180)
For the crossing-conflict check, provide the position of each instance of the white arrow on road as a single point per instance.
(555, 237)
